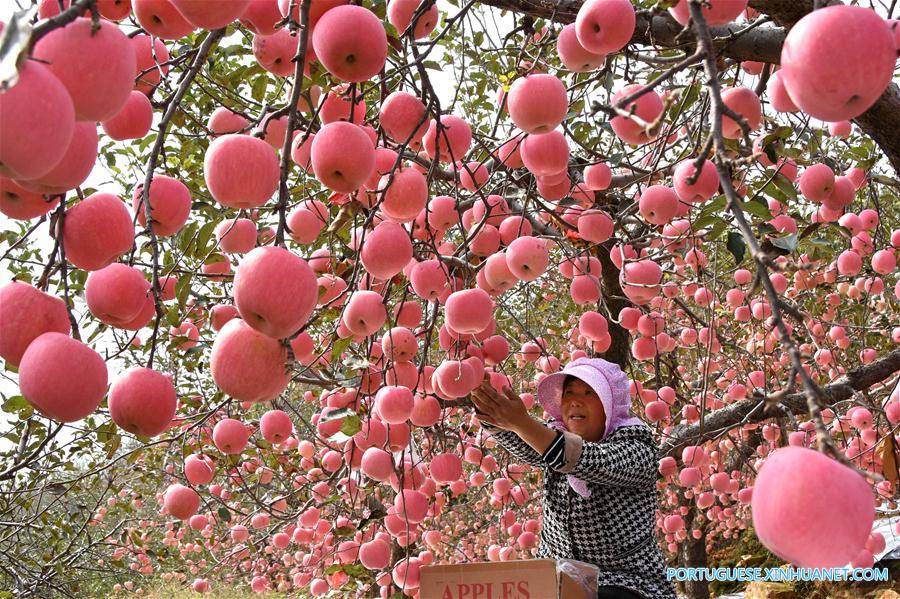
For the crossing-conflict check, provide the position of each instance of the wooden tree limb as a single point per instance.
(750, 410)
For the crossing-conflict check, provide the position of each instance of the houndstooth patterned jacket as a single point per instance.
(613, 528)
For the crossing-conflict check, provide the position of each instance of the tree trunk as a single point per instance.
(692, 554)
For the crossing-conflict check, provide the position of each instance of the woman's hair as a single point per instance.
(569, 377)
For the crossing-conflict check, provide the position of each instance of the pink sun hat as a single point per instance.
(608, 381)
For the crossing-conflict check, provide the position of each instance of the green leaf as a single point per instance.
(183, 289)
(785, 186)
(736, 246)
(112, 446)
(258, 89)
(337, 414)
(14, 404)
(339, 346)
(351, 425)
(789, 242)
(757, 207)
(224, 514)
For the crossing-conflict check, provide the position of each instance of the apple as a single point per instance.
(274, 291)
(241, 171)
(132, 121)
(162, 19)
(605, 26)
(19, 203)
(37, 122)
(342, 156)
(96, 66)
(537, 103)
(142, 401)
(170, 205)
(573, 55)
(837, 61)
(401, 12)
(350, 42)
(248, 365)
(151, 62)
(180, 501)
(211, 15)
(26, 313)
(453, 141)
(795, 492)
(63, 378)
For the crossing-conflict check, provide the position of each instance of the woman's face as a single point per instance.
(582, 410)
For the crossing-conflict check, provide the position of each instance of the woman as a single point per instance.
(600, 468)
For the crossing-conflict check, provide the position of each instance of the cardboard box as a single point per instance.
(522, 579)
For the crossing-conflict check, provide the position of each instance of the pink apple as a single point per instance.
(75, 166)
(36, 124)
(132, 121)
(469, 311)
(537, 103)
(402, 116)
(261, 16)
(181, 502)
(19, 203)
(605, 26)
(573, 55)
(545, 153)
(364, 313)
(151, 58)
(241, 171)
(394, 404)
(719, 12)
(96, 65)
(62, 378)
(26, 313)
(386, 250)
(199, 469)
(453, 141)
(231, 436)
(97, 230)
(211, 15)
(745, 102)
(350, 43)
(236, 236)
(342, 156)
(248, 365)
(796, 491)
(781, 100)
(116, 294)
(275, 52)
(837, 61)
(405, 194)
(275, 291)
(658, 204)
(170, 205)
(647, 107)
(275, 426)
(142, 401)
(817, 182)
(705, 187)
(401, 12)
(527, 257)
(162, 19)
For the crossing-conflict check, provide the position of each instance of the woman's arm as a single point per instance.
(512, 443)
(521, 435)
(627, 459)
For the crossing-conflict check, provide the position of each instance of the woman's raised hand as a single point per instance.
(504, 409)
